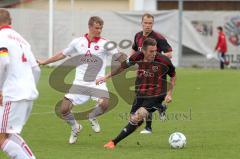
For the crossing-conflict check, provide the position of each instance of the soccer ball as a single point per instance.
(177, 140)
(209, 56)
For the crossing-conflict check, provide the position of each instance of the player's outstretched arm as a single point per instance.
(120, 57)
(132, 52)
(54, 58)
(168, 97)
(109, 75)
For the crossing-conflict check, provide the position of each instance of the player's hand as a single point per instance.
(168, 98)
(217, 50)
(40, 62)
(100, 80)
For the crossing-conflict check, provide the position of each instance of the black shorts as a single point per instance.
(150, 104)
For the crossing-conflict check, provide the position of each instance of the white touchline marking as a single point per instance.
(42, 113)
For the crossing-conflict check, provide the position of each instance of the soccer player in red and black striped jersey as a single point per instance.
(162, 47)
(150, 86)
(148, 32)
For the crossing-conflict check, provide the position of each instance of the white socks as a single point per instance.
(95, 112)
(18, 150)
(19, 140)
(69, 118)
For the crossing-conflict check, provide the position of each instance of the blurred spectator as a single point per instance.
(221, 47)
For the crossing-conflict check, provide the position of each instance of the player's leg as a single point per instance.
(12, 149)
(222, 61)
(162, 111)
(99, 92)
(66, 113)
(148, 127)
(162, 115)
(77, 95)
(16, 138)
(12, 120)
(67, 104)
(135, 121)
(226, 62)
(99, 109)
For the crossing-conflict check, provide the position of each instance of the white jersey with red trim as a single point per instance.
(93, 58)
(19, 83)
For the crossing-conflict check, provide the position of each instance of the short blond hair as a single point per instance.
(5, 16)
(95, 19)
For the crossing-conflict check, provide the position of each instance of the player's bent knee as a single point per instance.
(3, 138)
(64, 110)
(142, 113)
(103, 103)
(135, 119)
(65, 106)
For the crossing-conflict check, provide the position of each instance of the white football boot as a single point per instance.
(74, 134)
(94, 124)
(146, 131)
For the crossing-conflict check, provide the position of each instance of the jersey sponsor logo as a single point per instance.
(144, 73)
(96, 47)
(88, 60)
(3, 51)
(88, 53)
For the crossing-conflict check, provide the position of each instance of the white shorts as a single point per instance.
(82, 94)
(14, 115)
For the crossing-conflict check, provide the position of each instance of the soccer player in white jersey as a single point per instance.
(19, 73)
(92, 48)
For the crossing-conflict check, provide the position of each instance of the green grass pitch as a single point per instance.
(205, 108)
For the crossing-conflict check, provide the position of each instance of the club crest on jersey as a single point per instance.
(3, 51)
(96, 47)
(139, 48)
(155, 68)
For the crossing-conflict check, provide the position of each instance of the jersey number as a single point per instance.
(24, 59)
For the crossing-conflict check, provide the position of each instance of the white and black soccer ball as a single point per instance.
(177, 140)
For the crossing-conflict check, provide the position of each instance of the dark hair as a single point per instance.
(148, 42)
(220, 28)
(95, 19)
(148, 16)
(5, 16)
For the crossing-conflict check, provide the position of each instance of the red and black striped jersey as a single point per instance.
(162, 44)
(151, 77)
